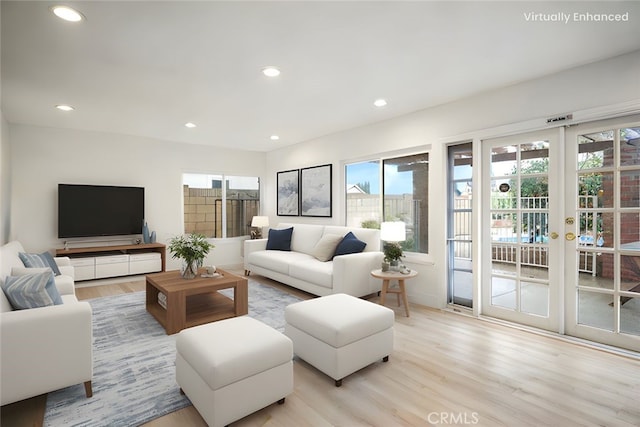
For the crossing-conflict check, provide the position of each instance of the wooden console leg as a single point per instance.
(87, 389)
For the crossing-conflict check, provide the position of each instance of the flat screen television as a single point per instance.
(99, 210)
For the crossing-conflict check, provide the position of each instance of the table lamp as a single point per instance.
(257, 223)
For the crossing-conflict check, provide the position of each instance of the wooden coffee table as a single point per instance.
(192, 302)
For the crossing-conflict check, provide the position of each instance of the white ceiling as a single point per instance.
(146, 68)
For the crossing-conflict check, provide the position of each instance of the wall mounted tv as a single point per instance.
(99, 210)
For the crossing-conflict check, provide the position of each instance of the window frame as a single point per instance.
(380, 159)
(224, 178)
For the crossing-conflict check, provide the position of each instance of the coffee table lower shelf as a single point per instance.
(201, 309)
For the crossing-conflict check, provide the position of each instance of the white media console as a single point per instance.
(112, 261)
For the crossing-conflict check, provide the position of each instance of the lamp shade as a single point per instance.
(260, 221)
(393, 231)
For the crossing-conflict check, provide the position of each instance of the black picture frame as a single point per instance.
(316, 191)
(288, 192)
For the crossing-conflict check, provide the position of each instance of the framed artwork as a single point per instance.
(288, 202)
(315, 191)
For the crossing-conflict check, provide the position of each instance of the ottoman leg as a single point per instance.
(338, 383)
(385, 359)
(281, 401)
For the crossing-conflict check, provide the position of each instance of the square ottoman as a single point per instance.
(233, 367)
(340, 334)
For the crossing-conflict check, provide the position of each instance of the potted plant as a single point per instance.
(191, 249)
(392, 254)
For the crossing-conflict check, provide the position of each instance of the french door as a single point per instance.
(522, 251)
(602, 245)
(561, 230)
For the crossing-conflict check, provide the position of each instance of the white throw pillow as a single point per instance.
(326, 247)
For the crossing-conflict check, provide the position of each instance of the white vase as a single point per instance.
(189, 270)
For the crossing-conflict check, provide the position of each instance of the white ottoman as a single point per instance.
(340, 334)
(233, 367)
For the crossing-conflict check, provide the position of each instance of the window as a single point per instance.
(218, 210)
(392, 189)
(363, 194)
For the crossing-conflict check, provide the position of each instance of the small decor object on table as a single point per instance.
(191, 249)
(146, 238)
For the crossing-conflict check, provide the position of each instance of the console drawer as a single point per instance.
(145, 263)
(84, 268)
(112, 265)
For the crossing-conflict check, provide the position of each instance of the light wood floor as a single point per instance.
(446, 369)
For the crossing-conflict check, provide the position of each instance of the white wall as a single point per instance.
(44, 157)
(600, 84)
(5, 181)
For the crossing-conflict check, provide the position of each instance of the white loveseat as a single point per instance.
(349, 274)
(47, 348)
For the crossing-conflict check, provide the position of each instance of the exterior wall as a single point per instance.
(200, 214)
(629, 223)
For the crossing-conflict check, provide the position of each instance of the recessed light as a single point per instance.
(65, 107)
(271, 71)
(67, 13)
(380, 102)
(274, 137)
(190, 125)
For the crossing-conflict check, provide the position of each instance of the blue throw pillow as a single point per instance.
(350, 244)
(32, 290)
(280, 240)
(39, 261)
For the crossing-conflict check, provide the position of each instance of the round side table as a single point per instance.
(387, 277)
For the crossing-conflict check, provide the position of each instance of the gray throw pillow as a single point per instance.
(40, 260)
(32, 290)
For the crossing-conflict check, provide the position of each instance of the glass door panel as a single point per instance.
(459, 228)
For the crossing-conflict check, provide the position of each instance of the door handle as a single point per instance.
(554, 235)
(570, 236)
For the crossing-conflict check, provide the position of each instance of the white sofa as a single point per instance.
(47, 348)
(349, 274)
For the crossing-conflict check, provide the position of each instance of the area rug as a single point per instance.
(134, 362)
